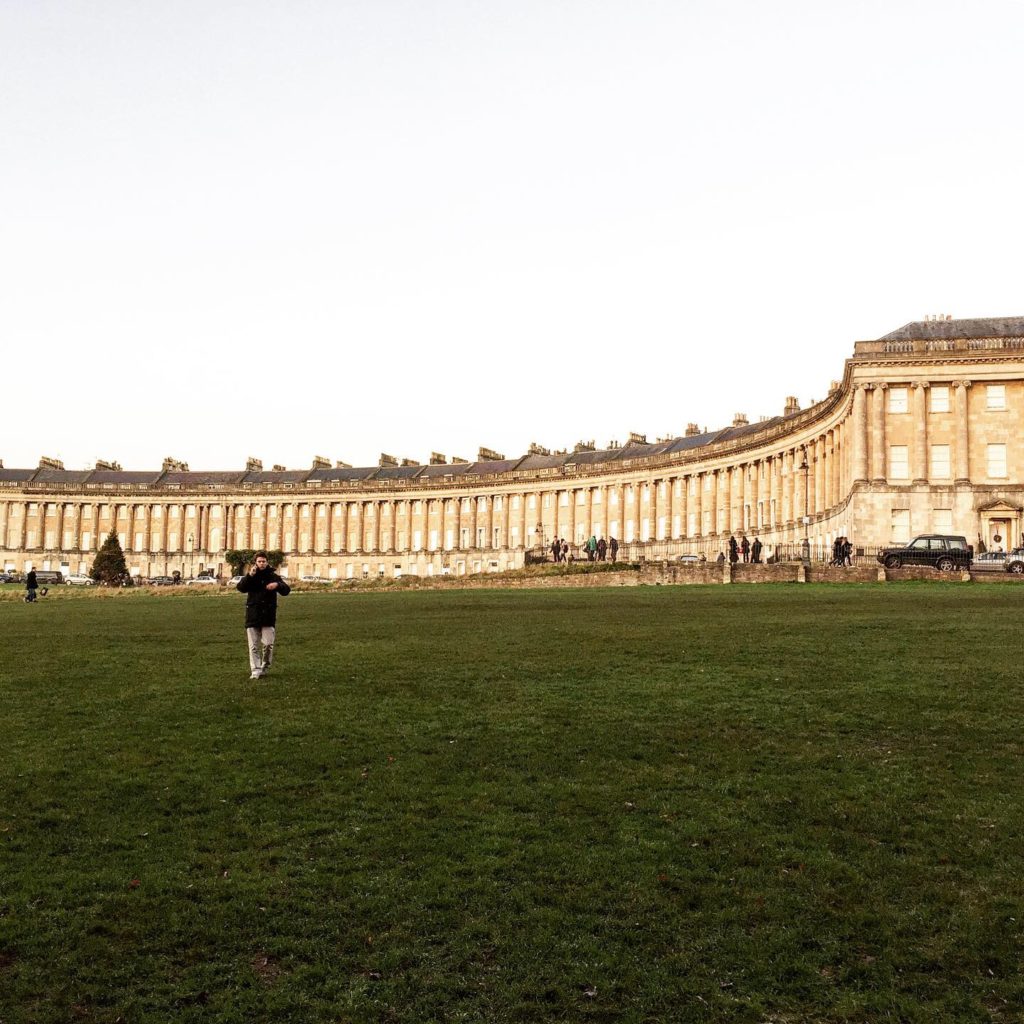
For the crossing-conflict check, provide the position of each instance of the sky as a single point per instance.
(292, 229)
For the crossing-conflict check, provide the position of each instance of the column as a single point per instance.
(712, 501)
(878, 472)
(826, 451)
(753, 495)
(819, 475)
(506, 520)
(860, 434)
(474, 513)
(919, 473)
(962, 456)
(488, 522)
(522, 519)
(680, 506)
(724, 499)
(698, 504)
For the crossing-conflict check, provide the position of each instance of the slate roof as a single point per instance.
(123, 477)
(336, 474)
(452, 469)
(988, 327)
(45, 475)
(199, 478)
(493, 466)
(397, 472)
(279, 476)
(16, 476)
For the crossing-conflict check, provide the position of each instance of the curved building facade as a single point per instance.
(922, 435)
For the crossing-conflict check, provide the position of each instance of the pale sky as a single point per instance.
(287, 229)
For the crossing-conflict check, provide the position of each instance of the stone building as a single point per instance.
(922, 434)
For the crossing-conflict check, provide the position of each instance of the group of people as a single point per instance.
(743, 550)
(597, 549)
(842, 551)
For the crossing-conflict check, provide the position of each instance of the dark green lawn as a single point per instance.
(785, 804)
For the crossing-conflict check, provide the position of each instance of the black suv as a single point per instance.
(935, 549)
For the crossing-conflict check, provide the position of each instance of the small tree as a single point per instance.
(109, 566)
(241, 558)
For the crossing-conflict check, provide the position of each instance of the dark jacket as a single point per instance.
(260, 603)
(30, 580)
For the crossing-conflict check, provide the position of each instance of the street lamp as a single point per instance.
(805, 546)
(191, 538)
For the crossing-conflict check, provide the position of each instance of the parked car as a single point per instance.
(234, 581)
(942, 551)
(313, 579)
(989, 561)
(1015, 561)
(79, 579)
(689, 559)
(48, 578)
(202, 581)
(162, 581)
(9, 577)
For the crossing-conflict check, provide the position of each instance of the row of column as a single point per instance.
(869, 435)
(764, 493)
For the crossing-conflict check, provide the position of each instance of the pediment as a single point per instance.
(1000, 506)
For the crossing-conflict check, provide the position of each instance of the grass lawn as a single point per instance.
(723, 804)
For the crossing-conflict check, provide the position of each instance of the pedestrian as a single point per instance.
(556, 550)
(613, 547)
(734, 550)
(602, 549)
(847, 552)
(565, 550)
(745, 548)
(837, 551)
(30, 586)
(721, 556)
(261, 587)
(591, 548)
(755, 550)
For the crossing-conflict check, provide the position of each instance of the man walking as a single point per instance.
(261, 588)
(30, 586)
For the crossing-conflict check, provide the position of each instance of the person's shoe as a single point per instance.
(256, 673)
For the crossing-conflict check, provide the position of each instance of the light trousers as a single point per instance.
(261, 646)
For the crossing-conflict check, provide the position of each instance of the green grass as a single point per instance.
(738, 804)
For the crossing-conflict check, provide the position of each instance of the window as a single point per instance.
(691, 524)
(563, 498)
(597, 497)
(997, 460)
(693, 486)
(515, 502)
(940, 461)
(940, 398)
(898, 466)
(900, 525)
(707, 481)
(897, 399)
(531, 502)
(497, 503)
(995, 396)
(942, 520)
